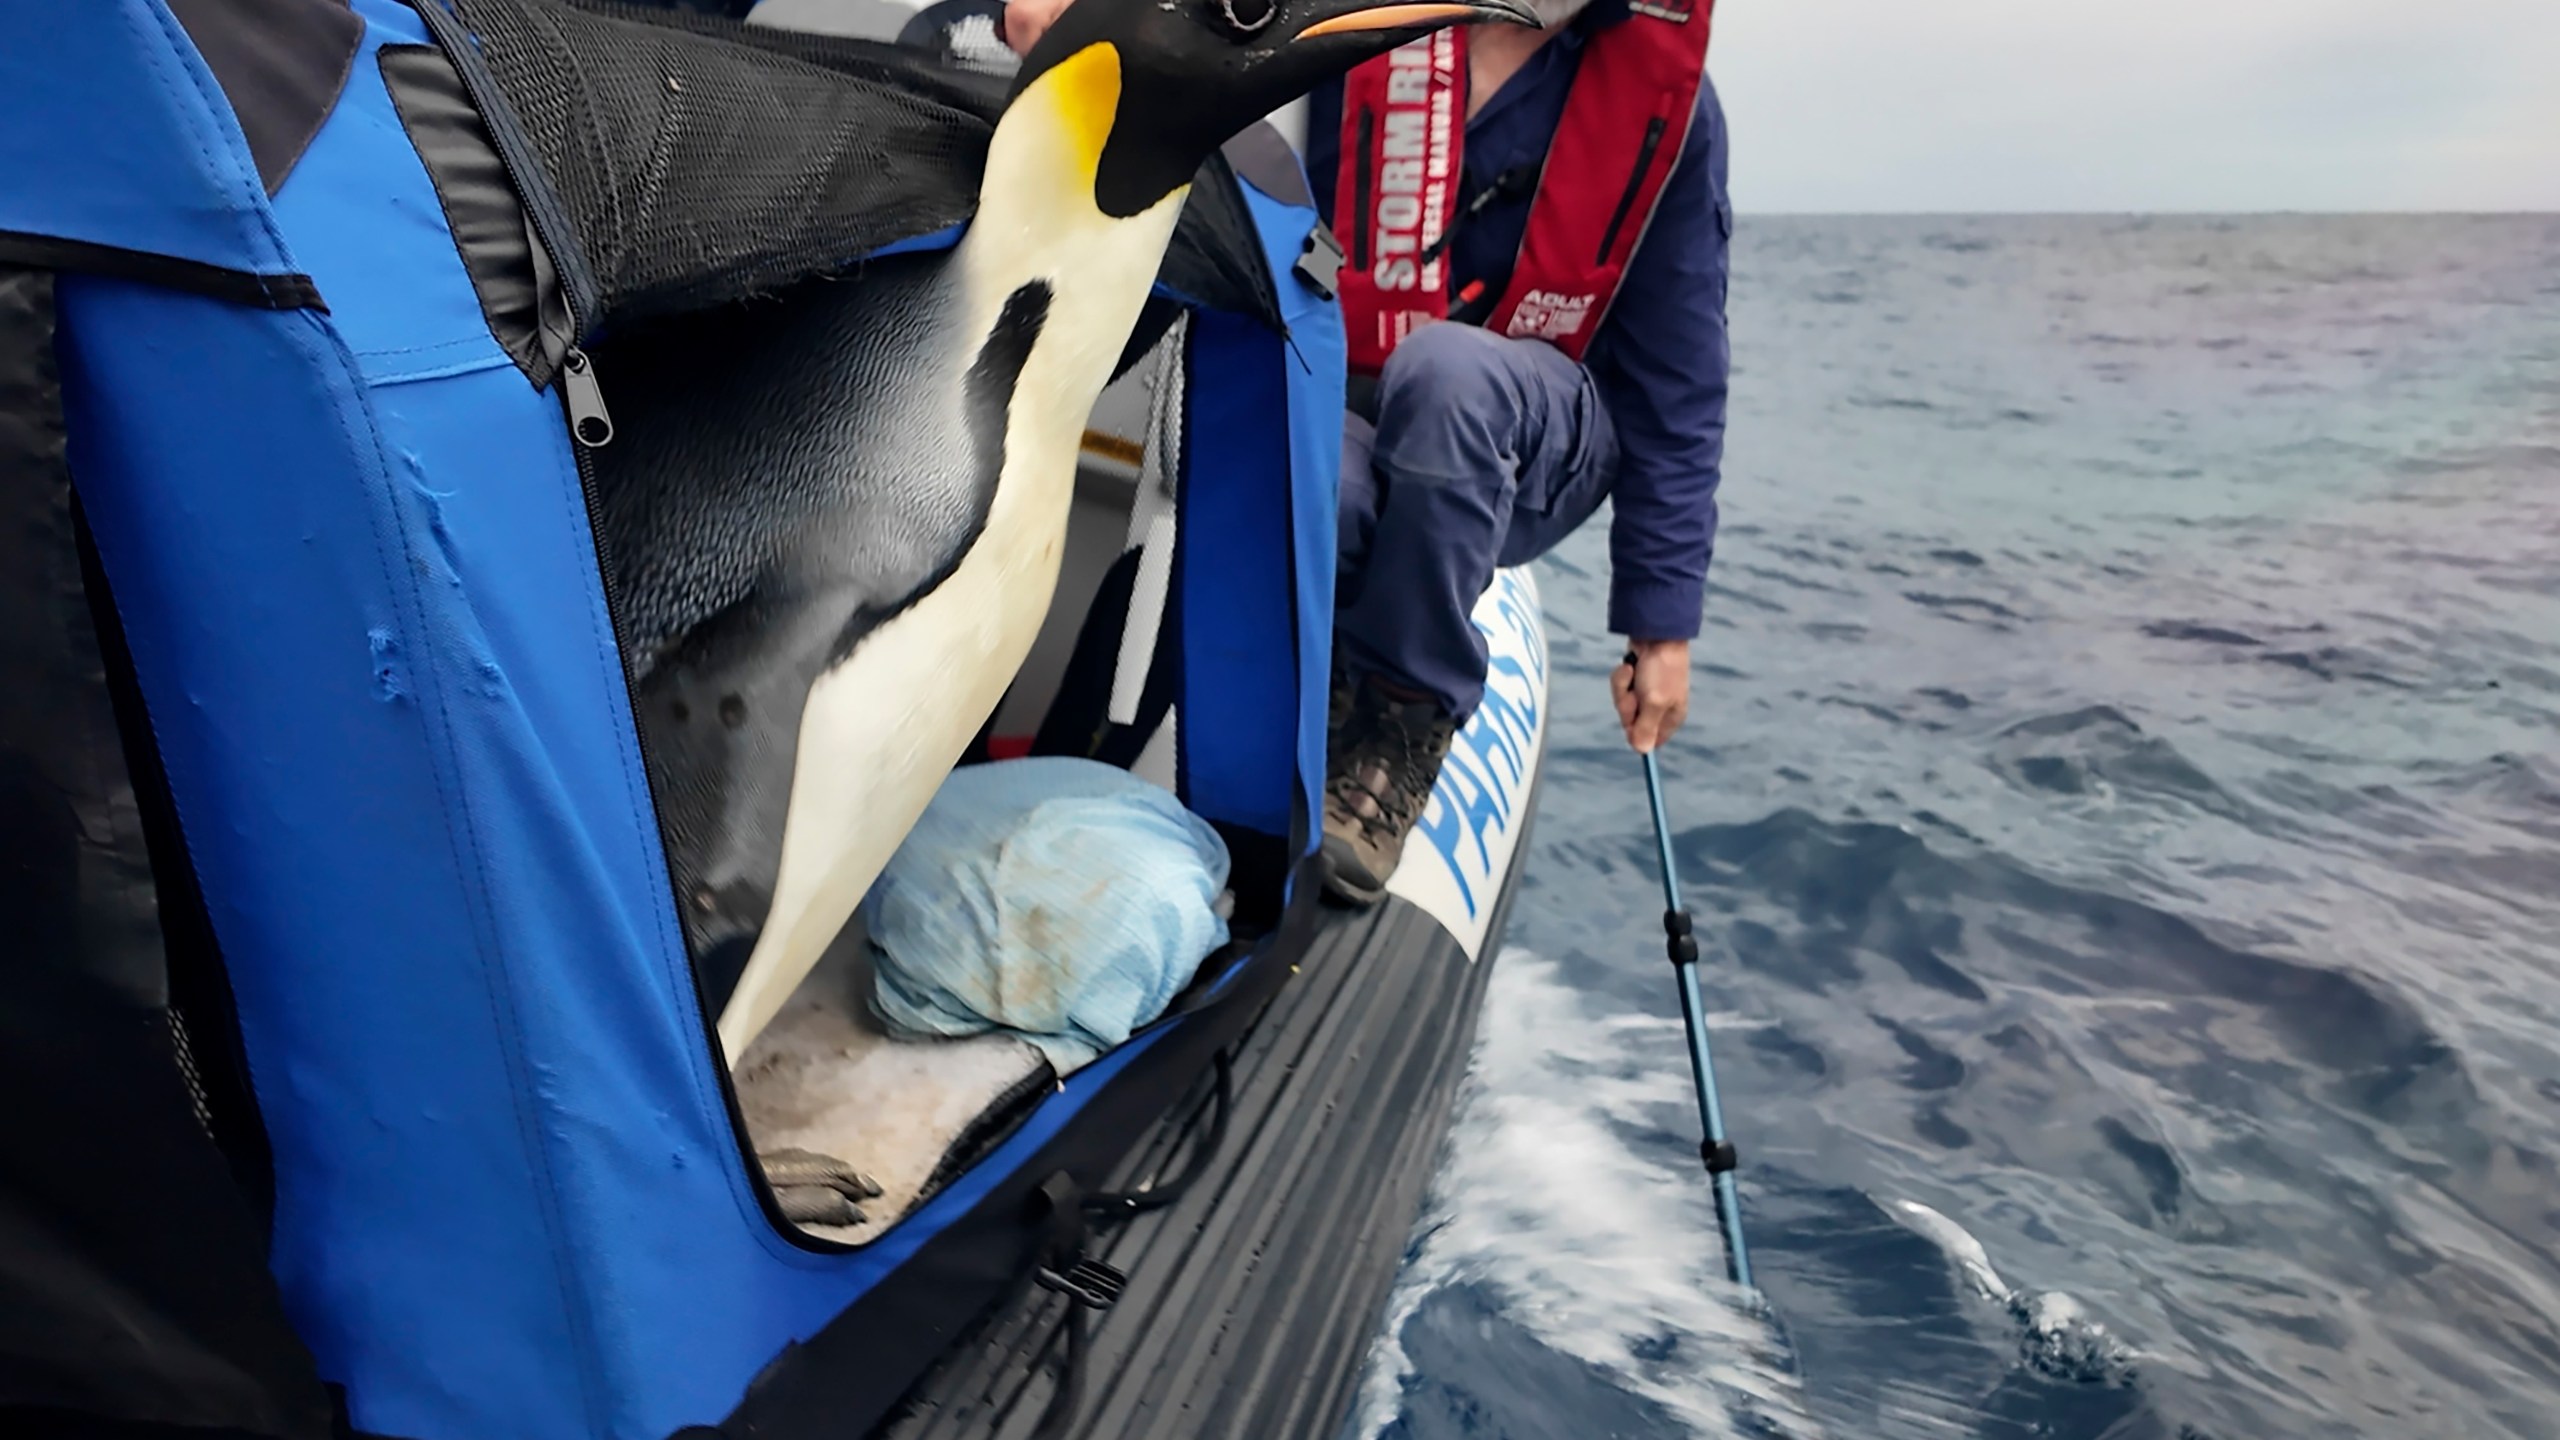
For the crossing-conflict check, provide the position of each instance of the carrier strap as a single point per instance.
(238, 287)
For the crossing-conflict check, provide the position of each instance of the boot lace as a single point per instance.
(1402, 751)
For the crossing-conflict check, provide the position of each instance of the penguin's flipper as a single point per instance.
(908, 683)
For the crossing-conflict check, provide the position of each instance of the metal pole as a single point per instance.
(1682, 945)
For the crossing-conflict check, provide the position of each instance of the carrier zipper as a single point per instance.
(590, 424)
(1362, 165)
(1653, 129)
(583, 402)
(590, 428)
(551, 227)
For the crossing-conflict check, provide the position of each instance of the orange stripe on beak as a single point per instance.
(1392, 17)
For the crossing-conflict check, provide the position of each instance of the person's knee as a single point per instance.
(1448, 367)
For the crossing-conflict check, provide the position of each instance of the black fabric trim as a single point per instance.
(847, 1377)
(1216, 258)
(1078, 722)
(238, 287)
(281, 64)
(987, 1130)
(519, 292)
(1262, 159)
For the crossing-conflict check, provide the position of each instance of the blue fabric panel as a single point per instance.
(507, 1201)
(503, 1154)
(381, 671)
(253, 533)
(1315, 378)
(1239, 693)
(1263, 461)
(113, 132)
(361, 211)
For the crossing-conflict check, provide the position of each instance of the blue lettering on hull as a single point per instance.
(1476, 802)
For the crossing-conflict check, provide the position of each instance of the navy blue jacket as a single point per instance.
(1661, 357)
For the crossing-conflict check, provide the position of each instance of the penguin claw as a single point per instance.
(816, 1205)
(795, 1169)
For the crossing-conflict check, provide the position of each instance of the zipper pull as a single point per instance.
(589, 423)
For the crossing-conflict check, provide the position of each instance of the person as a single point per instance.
(1560, 341)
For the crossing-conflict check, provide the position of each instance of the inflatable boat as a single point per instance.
(358, 1045)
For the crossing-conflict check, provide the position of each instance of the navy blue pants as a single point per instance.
(1487, 452)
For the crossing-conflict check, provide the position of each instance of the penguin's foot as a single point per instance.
(815, 1189)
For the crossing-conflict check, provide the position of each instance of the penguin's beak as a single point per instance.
(1414, 15)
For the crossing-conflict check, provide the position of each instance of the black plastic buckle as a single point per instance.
(1089, 1283)
(1719, 1156)
(1320, 263)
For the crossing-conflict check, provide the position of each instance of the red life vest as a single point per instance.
(1404, 130)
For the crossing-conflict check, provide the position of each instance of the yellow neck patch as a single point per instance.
(1084, 88)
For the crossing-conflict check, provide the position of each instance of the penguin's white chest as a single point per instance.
(884, 726)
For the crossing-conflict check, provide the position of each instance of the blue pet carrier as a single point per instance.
(299, 543)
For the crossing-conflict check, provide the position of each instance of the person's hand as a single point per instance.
(1651, 687)
(1025, 21)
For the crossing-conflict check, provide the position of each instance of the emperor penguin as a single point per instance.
(833, 523)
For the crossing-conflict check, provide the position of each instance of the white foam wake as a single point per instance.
(2056, 1334)
(1597, 1251)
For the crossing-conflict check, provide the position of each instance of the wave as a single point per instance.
(1955, 922)
(1548, 1219)
(2100, 753)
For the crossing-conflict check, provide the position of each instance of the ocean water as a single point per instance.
(2122, 807)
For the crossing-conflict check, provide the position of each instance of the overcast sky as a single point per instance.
(1988, 105)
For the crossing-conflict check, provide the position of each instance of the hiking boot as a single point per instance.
(1384, 757)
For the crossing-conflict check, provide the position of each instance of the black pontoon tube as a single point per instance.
(1682, 946)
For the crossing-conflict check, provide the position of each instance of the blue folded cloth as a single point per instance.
(1064, 899)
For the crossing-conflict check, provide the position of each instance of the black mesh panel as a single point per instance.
(695, 161)
(702, 161)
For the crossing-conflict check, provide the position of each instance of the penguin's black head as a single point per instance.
(1182, 77)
